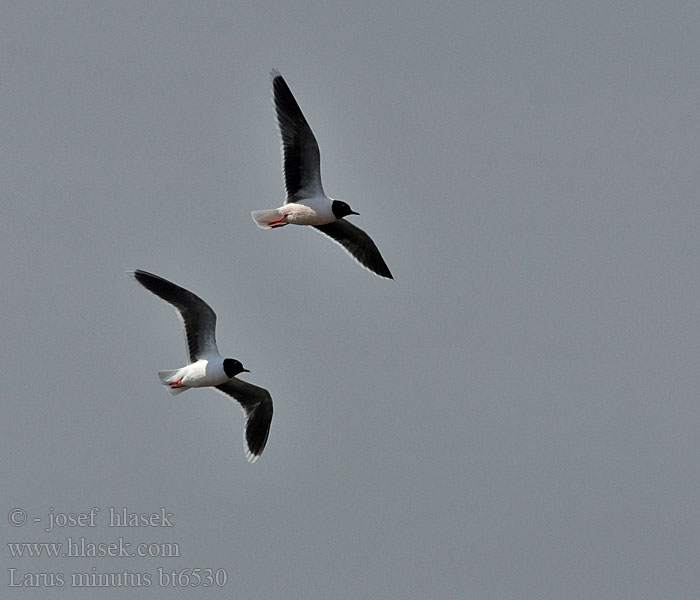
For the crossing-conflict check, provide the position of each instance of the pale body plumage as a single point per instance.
(312, 211)
(205, 372)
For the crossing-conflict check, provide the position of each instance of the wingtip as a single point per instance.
(253, 448)
(377, 265)
(139, 275)
(134, 273)
(250, 457)
(274, 74)
(386, 274)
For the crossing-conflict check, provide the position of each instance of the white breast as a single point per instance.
(205, 372)
(314, 211)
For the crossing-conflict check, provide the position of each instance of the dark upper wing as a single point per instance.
(256, 403)
(198, 317)
(358, 244)
(301, 158)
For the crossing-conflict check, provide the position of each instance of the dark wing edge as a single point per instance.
(256, 403)
(358, 244)
(196, 314)
(301, 159)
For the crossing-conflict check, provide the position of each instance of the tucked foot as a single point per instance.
(176, 384)
(281, 222)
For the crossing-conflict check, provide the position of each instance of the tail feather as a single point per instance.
(263, 217)
(166, 377)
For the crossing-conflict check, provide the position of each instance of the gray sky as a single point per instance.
(515, 416)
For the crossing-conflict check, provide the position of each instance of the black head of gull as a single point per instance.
(342, 209)
(233, 367)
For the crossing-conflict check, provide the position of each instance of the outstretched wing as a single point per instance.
(358, 244)
(256, 403)
(301, 158)
(197, 316)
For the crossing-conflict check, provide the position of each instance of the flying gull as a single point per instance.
(306, 202)
(207, 368)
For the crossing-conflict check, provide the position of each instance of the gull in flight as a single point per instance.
(207, 368)
(306, 202)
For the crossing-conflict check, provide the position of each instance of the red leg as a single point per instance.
(176, 384)
(278, 222)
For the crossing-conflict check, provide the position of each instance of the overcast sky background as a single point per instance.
(515, 416)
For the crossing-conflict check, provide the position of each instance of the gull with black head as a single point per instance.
(207, 368)
(306, 202)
